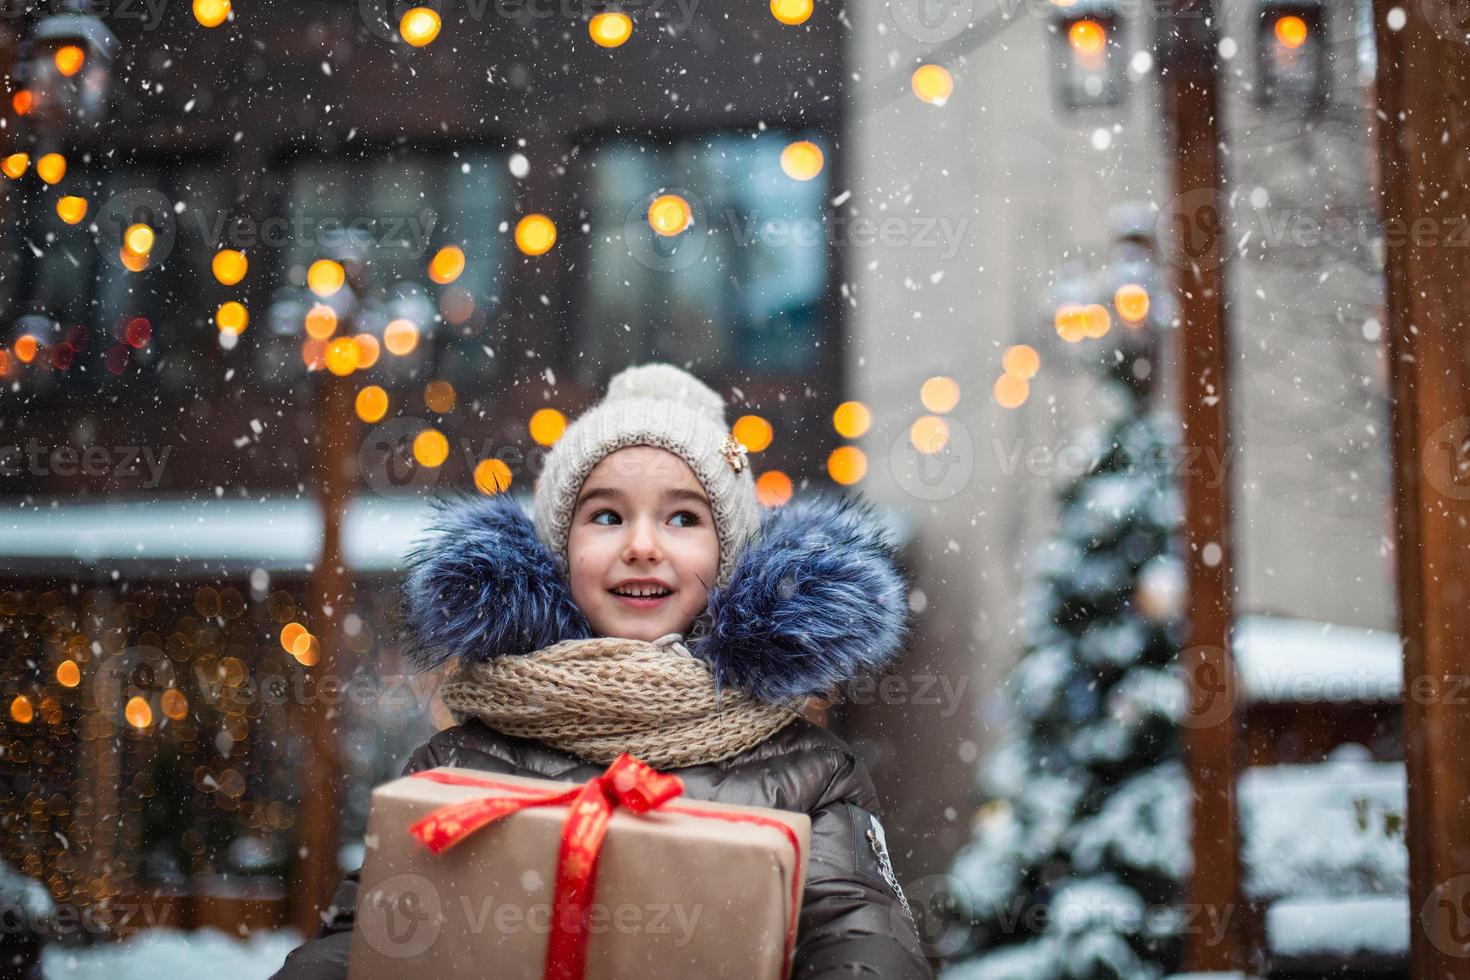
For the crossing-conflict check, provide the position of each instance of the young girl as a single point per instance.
(652, 609)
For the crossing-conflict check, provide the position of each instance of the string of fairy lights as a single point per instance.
(668, 215)
(191, 691)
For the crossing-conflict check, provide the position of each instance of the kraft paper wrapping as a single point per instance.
(678, 896)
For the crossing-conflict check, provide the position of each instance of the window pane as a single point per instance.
(407, 208)
(740, 289)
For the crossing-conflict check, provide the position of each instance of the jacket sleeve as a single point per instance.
(854, 921)
(325, 957)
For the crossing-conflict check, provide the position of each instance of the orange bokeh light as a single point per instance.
(400, 337)
(69, 59)
(932, 84)
(138, 712)
(791, 12)
(430, 448)
(802, 160)
(289, 633)
(773, 488)
(535, 234)
(325, 277)
(851, 419)
(68, 674)
(21, 709)
(440, 397)
(610, 29)
(1291, 31)
(1087, 37)
(341, 356)
(492, 476)
(229, 266)
(321, 321)
(847, 465)
(929, 434)
(368, 350)
(1022, 361)
(670, 215)
(1132, 303)
(1011, 391)
(372, 403)
(753, 432)
(447, 264)
(547, 425)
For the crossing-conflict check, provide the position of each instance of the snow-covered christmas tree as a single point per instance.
(1080, 847)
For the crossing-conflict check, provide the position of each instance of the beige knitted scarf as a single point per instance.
(600, 697)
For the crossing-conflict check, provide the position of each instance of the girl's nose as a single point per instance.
(643, 542)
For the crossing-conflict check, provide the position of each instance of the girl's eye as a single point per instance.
(600, 513)
(693, 518)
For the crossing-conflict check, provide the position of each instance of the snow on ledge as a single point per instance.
(1295, 660)
(164, 535)
(1339, 927)
(1318, 831)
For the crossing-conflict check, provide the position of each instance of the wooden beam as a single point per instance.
(1423, 94)
(318, 819)
(1187, 46)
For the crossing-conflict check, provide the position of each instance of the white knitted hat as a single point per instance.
(652, 405)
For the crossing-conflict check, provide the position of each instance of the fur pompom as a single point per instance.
(666, 382)
(485, 586)
(816, 600)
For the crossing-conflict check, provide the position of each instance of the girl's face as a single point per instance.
(642, 524)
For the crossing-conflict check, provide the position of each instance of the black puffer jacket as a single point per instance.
(815, 601)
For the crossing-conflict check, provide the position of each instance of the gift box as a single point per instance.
(472, 874)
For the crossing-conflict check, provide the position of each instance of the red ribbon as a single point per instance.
(628, 783)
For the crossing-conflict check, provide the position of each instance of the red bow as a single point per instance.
(627, 782)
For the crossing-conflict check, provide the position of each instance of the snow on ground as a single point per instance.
(173, 954)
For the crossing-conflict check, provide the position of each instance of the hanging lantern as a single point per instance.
(65, 69)
(1088, 60)
(1137, 289)
(1291, 54)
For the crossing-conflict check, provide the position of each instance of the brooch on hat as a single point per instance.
(734, 453)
